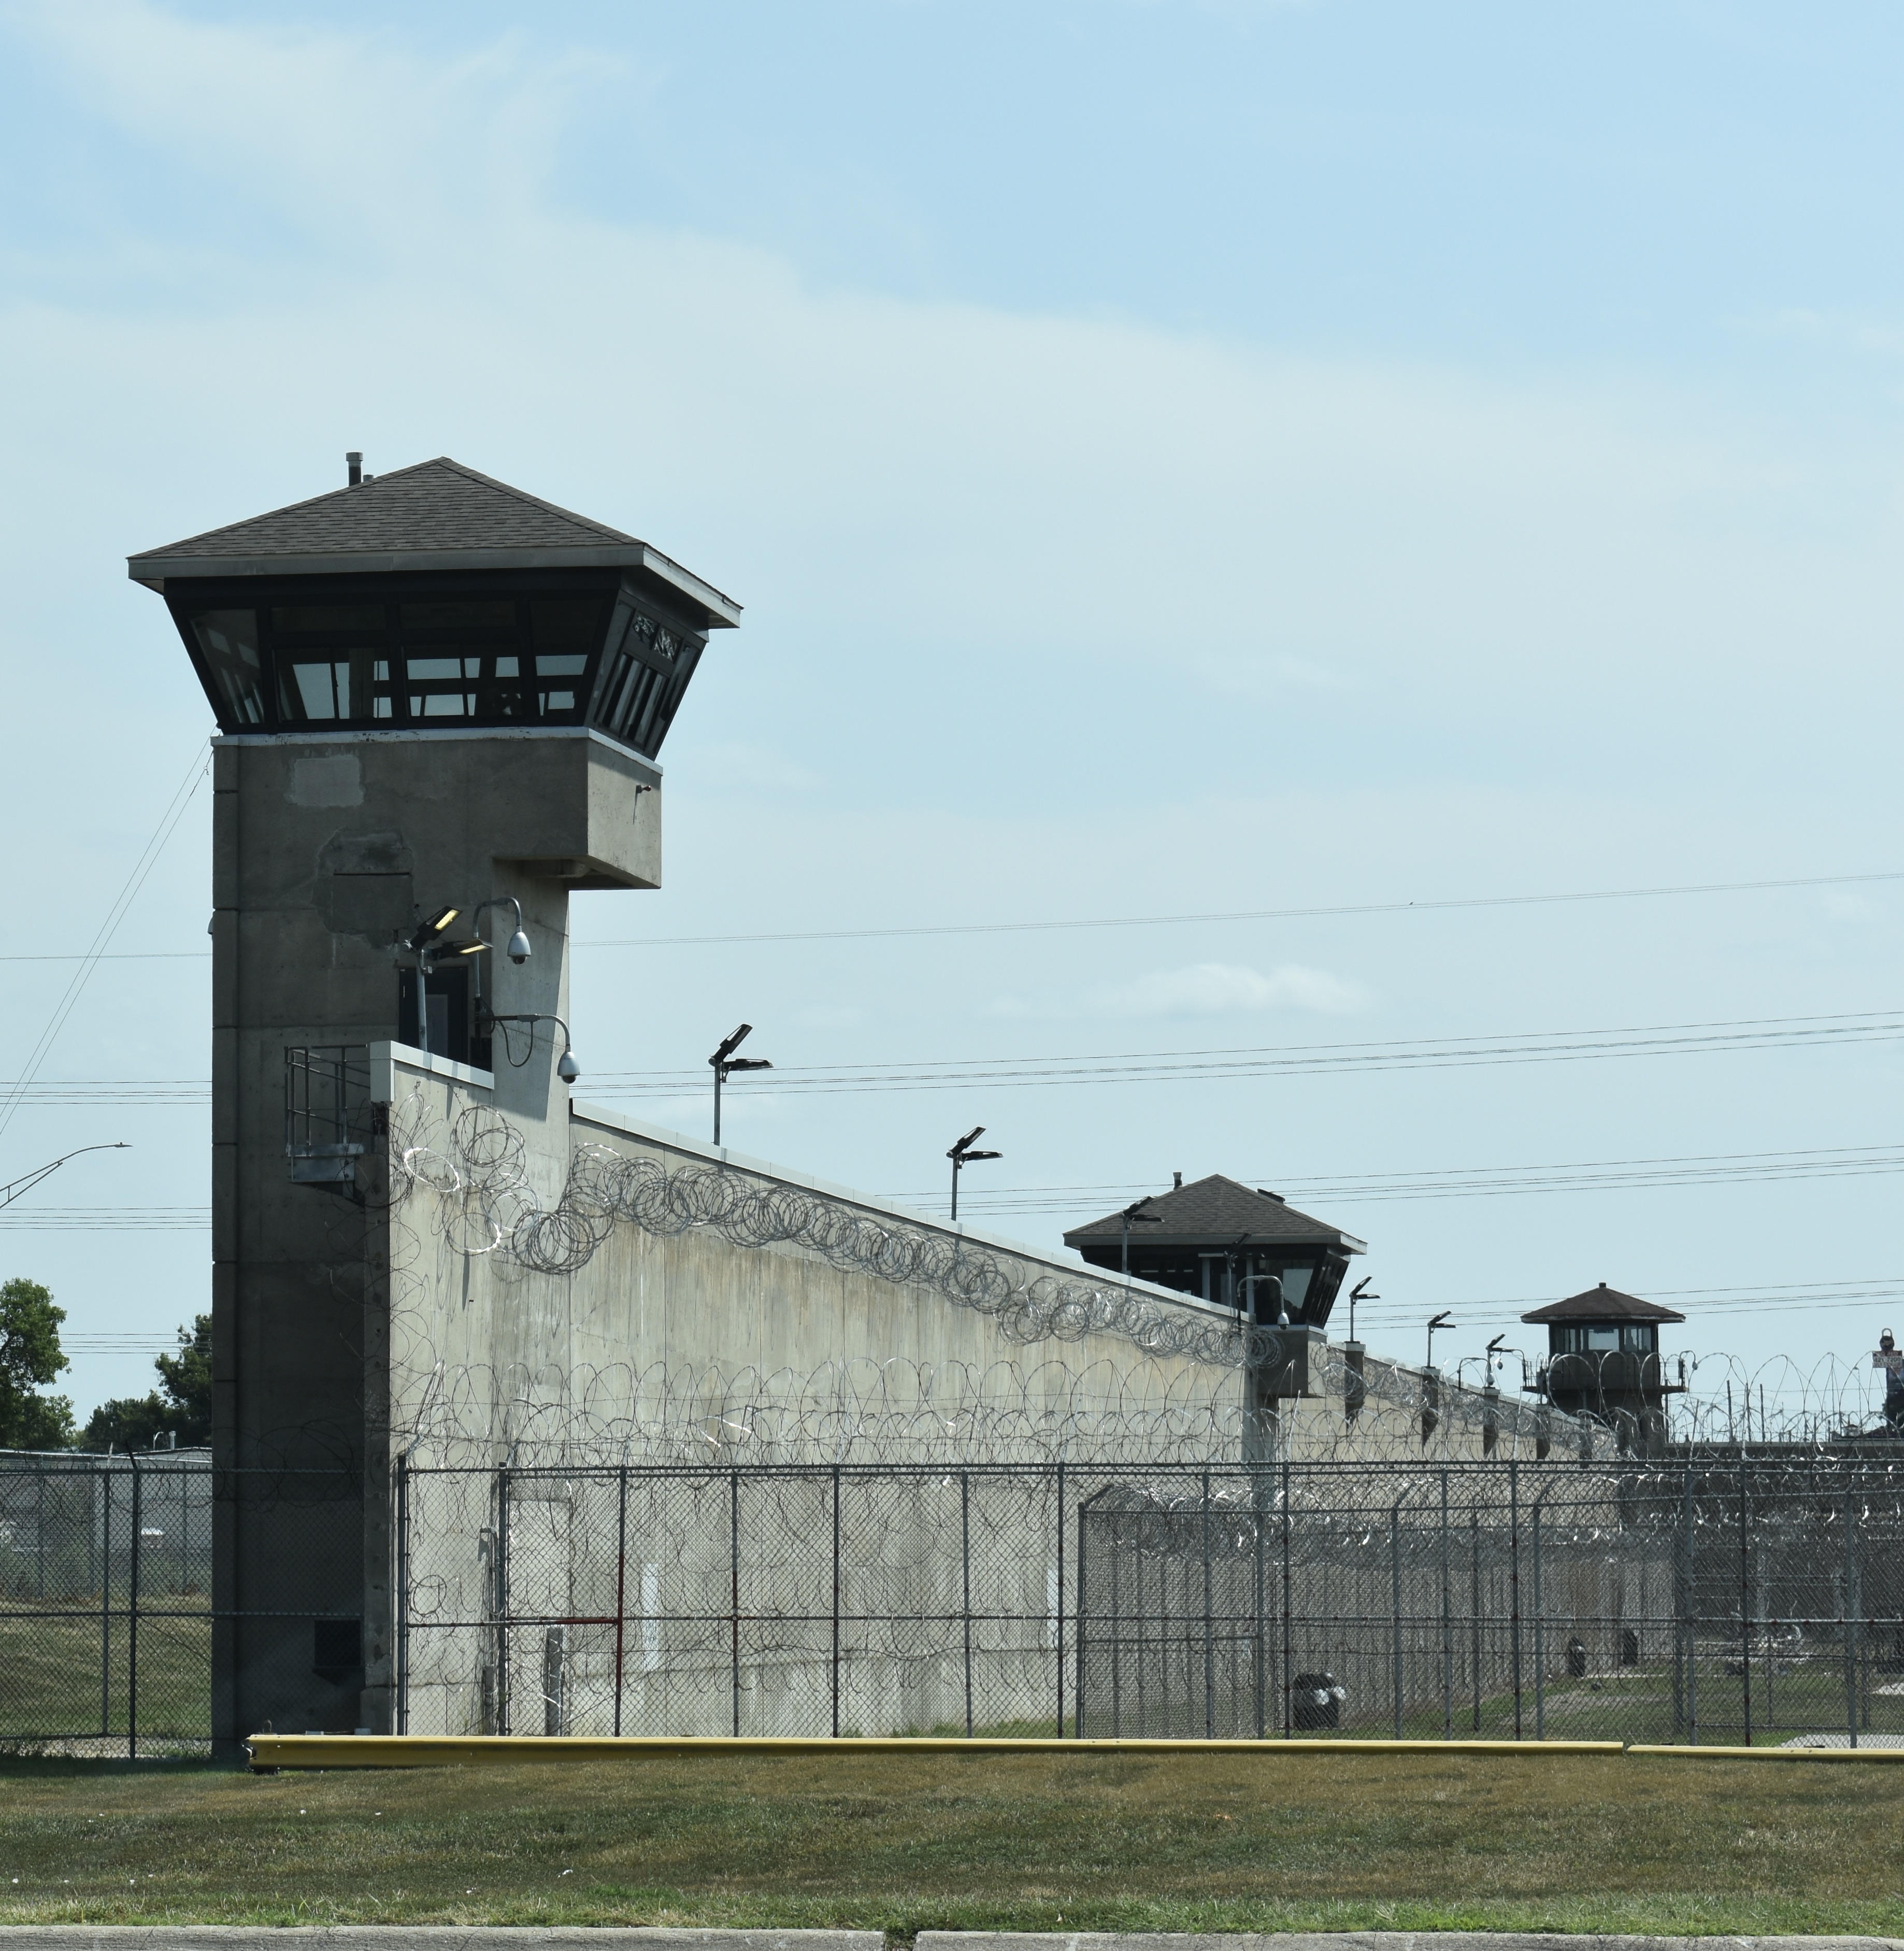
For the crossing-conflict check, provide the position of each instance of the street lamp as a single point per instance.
(1441, 1320)
(1359, 1292)
(725, 1062)
(962, 1155)
(1135, 1215)
(27, 1181)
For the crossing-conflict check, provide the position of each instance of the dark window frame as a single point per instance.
(628, 620)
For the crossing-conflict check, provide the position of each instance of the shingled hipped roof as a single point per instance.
(437, 515)
(1602, 1304)
(1217, 1208)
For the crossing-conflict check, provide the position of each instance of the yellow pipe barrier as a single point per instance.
(387, 1751)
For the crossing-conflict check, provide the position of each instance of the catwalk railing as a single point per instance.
(1728, 1599)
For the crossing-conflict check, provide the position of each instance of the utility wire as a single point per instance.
(141, 868)
(1260, 914)
(1443, 1053)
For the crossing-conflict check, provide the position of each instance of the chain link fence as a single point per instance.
(1743, 1598)
(1738, 1599)
(105, 1601)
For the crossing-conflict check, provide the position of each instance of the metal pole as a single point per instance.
(401, 1718)
(1288, 1654)
(1447, 1621)
(132, 1616)
(1210, 1629)
(104, 1477)
(1474, 1595)
(734, 1590)
(1745, 1591)
(955, 1221)
(502, 1601)
(1059, 1607)
(1539, 1632)
(621, 1588)
(1514, 1584)
(1077, 1684)
(1262, 1675)
(717, 1079)
(1395, 1599)
(965, 1574)
(836, 1622)
(1692, 1615)
(1851, 1612)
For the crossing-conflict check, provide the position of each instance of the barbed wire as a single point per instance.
(463, 1184)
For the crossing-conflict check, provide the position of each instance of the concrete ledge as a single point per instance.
(1370, 1940)
(1786, 1754)
(371, 1751)
(417, 1938)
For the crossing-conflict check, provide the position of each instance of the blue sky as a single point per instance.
(1175, 457)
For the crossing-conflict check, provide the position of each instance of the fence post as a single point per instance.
(104, 1475)
(1288, 1654)
(132, 1614)
(1059, 1606)
(1473, 1598)
(734, 1590)
(502, 1599)
(1851, 1611)
(1209, 1624)
(835, 1668)
(1514, 1584)
(1539, 1631)
(1262, 1674)
(965, 1604)
(1688, 1609)
(621, 1586)
(1447, 1621)
(1395, 1600)
(1745, 1591)
(1078, 1679)
(400, 1651)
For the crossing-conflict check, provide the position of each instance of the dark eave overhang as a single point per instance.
(718, 612)
(1209, 1243)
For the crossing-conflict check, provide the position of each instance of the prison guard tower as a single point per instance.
(1604, 1362)
(433, 692)
(1240, 1247)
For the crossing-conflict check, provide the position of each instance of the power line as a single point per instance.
(136, 880)
(1443, 1052)
(1258, 914)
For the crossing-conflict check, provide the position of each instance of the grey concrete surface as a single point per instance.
(1369, 1940)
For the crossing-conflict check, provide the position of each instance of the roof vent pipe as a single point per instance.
(1176, 1181)
(354, 462)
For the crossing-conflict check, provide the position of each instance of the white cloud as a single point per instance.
(1203, 989)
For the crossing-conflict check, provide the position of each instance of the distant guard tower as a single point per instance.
(439, 704)
(1603, 1361)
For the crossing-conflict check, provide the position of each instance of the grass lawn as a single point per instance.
(1036, 1842)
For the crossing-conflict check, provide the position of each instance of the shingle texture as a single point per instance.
(1602, 1303)
(1214, 1208)
(436, 505)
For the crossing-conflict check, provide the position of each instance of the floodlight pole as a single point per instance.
(724, 1060)
(1441, 1320)
(962, 1155)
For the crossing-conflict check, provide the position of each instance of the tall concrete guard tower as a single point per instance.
(440, 702)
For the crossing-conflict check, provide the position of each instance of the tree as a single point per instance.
(31, 1356)
(181, 1406)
